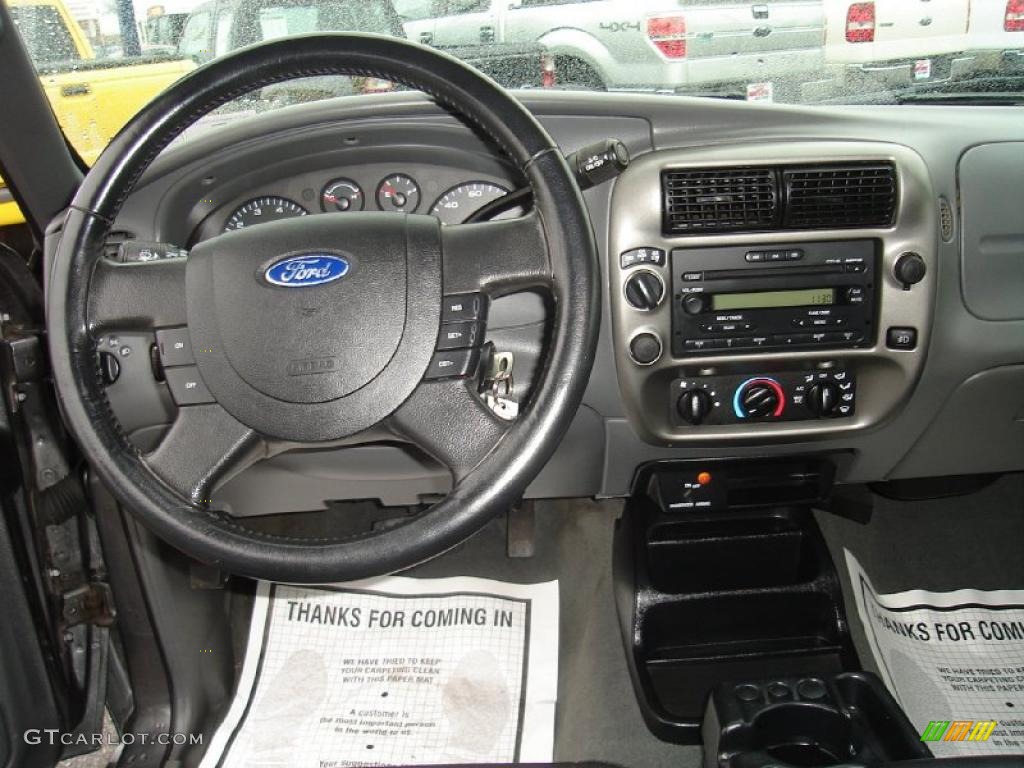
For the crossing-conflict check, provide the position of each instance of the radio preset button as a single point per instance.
(844, 337)
(794, 255)
(775, 256)
(755, 256)
(792, 339)
(702, 344)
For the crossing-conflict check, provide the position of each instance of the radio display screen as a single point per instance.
(807, 297)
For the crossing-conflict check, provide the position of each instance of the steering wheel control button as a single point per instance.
(644, 291)
(175, 347)
(636, 256)
(453, 364)
(645, 348)
(460, 335)
(140, 251)
(901, 338)
(187, 387)
(110, 368)
(463, 306)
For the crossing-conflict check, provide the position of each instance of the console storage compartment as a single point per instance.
(722, 591)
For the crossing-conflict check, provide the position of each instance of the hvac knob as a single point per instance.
(644, 290)
(909, 270)
(759, 398)
(694, 405)
(822, 398)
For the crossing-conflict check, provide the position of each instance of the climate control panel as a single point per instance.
(742, 399)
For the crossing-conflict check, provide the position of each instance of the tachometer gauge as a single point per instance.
(342, 195)
(263, 209)
(398, 193)
(461, 201)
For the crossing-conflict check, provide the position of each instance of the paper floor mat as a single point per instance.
(954, 661)
(395, 671)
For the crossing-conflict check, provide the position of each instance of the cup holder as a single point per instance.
(807, 722)
(805, 735)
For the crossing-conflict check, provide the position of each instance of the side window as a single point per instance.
(222, 38)
(45, 35)
(195, 38)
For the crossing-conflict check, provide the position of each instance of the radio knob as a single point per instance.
(644, 290)
(822, 398)
(694, 405)
(695, 303)
(759, 398)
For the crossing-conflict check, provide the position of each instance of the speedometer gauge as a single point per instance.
(461, 201)
(262, 209)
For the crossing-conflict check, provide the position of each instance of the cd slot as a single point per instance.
(729, 274)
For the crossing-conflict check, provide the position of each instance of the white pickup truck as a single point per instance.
(643, 44)
(898, 42)
(995, 34)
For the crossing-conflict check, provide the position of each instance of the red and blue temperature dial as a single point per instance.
(759, 397)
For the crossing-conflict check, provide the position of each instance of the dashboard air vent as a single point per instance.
(839, 196)
(719, 200)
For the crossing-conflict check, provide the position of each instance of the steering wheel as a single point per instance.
(337, 344)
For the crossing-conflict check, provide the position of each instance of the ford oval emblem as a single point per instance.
(306, 270)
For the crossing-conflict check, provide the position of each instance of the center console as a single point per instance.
(733, 619)
(770, 292)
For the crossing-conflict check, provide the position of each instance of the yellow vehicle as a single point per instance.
(91, 97)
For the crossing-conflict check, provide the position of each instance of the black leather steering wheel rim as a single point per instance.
(503, 474)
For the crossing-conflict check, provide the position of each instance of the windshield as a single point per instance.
(101, 60)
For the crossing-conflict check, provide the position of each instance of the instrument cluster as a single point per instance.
(393, 193)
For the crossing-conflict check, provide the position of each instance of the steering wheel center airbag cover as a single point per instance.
(317, 358)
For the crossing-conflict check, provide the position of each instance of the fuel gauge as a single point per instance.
(342, 195)
(398, 193)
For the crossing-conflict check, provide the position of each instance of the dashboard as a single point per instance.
(886, 332)
(373, 187)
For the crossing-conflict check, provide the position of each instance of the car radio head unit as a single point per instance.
(743, 297)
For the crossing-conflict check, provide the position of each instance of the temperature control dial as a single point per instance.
(759, 398)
